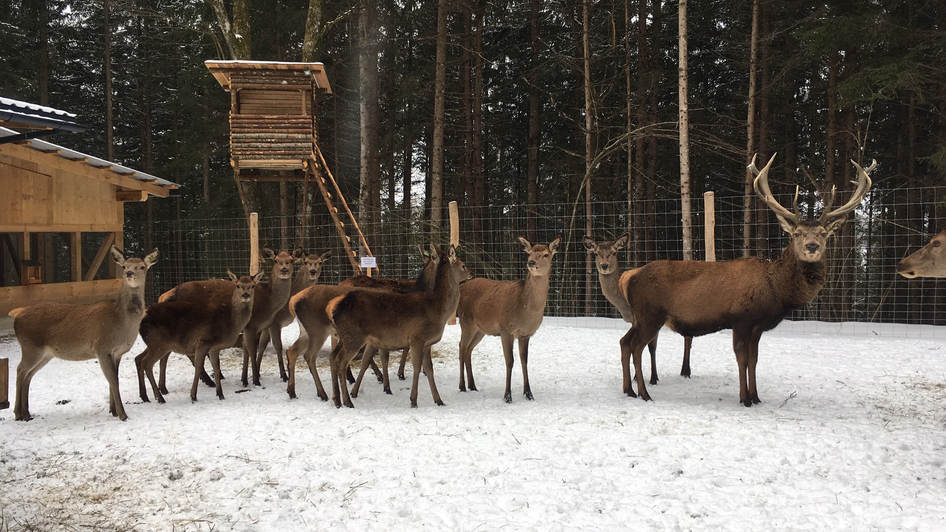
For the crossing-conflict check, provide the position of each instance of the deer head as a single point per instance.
(606, 253)
(808, 237)
(540, 255)
(134, 269)
(928, 261)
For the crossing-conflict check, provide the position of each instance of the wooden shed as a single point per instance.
(274, 130)
(55, 203)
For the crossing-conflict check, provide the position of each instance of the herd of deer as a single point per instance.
(371, 315)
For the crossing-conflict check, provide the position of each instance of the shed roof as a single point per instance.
(131, 178)
(40, 119)
(223, 70)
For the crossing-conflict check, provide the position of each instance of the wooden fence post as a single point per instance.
(4, 383)
(254, 243)
(709, 229)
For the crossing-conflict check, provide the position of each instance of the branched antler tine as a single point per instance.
(863, 185)
(795, 203)
(829, 200)
(761, 186)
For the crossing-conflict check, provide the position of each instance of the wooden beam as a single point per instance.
(131, 195)
(4, 383)
(99, 257)
(61, 228)
(75, 257)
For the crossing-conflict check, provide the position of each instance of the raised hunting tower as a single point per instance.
(274, 131)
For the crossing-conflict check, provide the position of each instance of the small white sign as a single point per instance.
(369, 262)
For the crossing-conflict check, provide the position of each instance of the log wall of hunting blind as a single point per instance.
(61, 211)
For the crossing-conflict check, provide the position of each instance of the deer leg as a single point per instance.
(416, 361)
(524, 360)
(162, 382)
(751, 363)
(139, 368)
(652, 346)
(110, 368)
(740, 344)
(366, 357)
(626, 361)
(24, 374)
(335, 365)
(507, 353)
(146, 367)
(275, 335)
(292, 354)
(685, 369)
(311, 354)
(345, 358)
(199, 356)
(215, 363)
(429, 370)
(385, 380)
(400, 369)
(638, 351)
(246, 363)
(467, 343)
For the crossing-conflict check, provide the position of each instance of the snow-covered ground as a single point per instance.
(851, 435)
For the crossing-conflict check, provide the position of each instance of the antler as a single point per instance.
(863, 185)
(761, 186)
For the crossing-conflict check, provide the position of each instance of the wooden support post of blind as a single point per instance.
(99, 257)
(4, 383)
(454, 239)
(75, 257)
(709, 229)
(254, 243)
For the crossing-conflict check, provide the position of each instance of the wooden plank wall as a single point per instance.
(80, 293)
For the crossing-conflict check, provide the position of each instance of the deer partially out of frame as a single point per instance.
(104, 331)
(194, 328)
(508, 309)
(389, 320)
(928, 261)
(749, 295)
(609, 273)
(270, 296)
(307, 276)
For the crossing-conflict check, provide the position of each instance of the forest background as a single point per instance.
(520, 103)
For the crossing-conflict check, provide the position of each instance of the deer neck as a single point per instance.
(446, 293)
(807, 278)
(535, 290)
(610, 287)
(300, 282)
(279, 289)
(131, 302)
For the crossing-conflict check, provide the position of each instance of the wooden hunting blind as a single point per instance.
(274, 130)
(55, 202)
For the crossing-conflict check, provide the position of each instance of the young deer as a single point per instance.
(928, 261)
(389, 320)
(315, 326)
(508, 309)
(609, 272)
(269, 298)
(104, 331)
(307, 276)
(195, 329)
(749, 295)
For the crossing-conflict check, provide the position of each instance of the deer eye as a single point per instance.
(936, 243)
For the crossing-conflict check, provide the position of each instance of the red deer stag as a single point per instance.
(307, 276)
(609, 273)
(194, 328)
(388, 320)
(104, 331)
(928, 261)
(270, 296)
(508, 309)
(749, 295)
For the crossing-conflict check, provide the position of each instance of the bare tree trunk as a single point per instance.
(687, 216)
(589, 148)
(312, 41)
(236, 32)
(369, 198)
(42, 69)
(440, 78)
(107, 69)
(630, 121)
(476, 155)
(532, 145)
(747, 223)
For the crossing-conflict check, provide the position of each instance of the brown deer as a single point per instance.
(508, 309)
(748, 295)
(928, 261)
(307, 276)
(609, 273)
(270, 296)
(389, 320)
(104, 331)
(194, 328)
(315, 326)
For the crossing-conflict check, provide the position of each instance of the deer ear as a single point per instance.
(298, 253)
(525, 244)
(151, 258)
(268, 252)
(621, 242)
(327, 254)
(787, 225)
(555, 244)
(259, 276)
(589, 243)
(117, 255)
(232, 276)
(835, 224)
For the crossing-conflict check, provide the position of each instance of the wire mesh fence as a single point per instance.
(862, 287)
